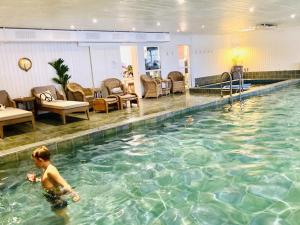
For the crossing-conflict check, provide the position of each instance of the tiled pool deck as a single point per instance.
(20, 139)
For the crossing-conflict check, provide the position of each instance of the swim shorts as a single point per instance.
(55, 200)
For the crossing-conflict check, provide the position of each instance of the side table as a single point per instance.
(166, 86)
(97, 92)
(27, 102)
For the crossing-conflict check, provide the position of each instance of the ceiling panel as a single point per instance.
(192, 16)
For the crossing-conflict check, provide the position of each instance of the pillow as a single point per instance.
(46, 96)
(116, 90)
(2, 107)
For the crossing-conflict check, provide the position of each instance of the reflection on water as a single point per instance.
(237, 166)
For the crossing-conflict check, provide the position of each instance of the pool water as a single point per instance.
(226, 166)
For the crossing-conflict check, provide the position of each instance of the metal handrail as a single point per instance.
(230, 77)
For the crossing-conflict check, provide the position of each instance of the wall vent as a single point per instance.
(141, 36)
(92, 36)
(25, 35)
(266, 26)
(118, 36)
(61, 35)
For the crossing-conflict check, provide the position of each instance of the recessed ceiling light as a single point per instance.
(95, 20)
(72, 27)
(178, 30)
(158, 23)
(293, 16)
(251, 9)
(180, 2)
(203, 26)
(133, 29)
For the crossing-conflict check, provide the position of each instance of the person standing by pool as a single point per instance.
(53, 183)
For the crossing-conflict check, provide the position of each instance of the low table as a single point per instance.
(131, 98)
(166, 86)
(103, 104)
(27, 102)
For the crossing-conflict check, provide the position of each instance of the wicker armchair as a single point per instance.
(6, 100)
(114, 86)
(75, 92)
(152, 87)
(177, 80)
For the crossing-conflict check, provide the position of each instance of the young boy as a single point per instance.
(53, 183)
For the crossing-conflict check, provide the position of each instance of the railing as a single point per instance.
(226, 74)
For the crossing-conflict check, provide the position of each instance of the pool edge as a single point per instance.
(90, 136)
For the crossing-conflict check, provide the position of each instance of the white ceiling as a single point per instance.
(218, 16)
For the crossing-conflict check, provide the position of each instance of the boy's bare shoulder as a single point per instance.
(52, 170)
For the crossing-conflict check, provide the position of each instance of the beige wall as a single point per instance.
(262, 51)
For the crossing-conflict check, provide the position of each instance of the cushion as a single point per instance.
(128, 97)
(37, 90)
(10, 113)
(2, 107)
(62, 104)
(46, 96)
(116, 90)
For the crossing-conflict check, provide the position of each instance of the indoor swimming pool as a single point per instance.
(225, 166)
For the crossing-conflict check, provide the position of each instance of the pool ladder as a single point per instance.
(241, 81)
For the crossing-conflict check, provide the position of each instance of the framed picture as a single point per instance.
(152, 59)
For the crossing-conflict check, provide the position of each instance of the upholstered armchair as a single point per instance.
(114, 86)
(177, 80)
(75, 92)
(152, 87)
(6, 100)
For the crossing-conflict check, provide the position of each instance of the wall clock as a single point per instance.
(25, 64)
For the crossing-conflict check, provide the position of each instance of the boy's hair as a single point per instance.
(41, 153)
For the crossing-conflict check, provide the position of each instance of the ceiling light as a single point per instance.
(180, 2)
(72, 27)
(293, 16)
(251, 9)
(178, 30)
(203, 26)
(133, 29)
(158, 23)
(95, 20)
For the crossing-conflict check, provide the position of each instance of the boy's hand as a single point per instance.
(75, 196)
(31, 177)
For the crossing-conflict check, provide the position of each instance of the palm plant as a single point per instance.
(61, 72)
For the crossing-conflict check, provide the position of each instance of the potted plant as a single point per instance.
(128, 71)
(61, 71)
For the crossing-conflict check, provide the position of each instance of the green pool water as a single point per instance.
(238, 166)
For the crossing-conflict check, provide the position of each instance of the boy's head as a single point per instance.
(40, 155)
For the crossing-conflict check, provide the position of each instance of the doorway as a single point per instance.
(184, 63)
(129, 67)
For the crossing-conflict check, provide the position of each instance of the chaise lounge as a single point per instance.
(58, 104)
(10, 114)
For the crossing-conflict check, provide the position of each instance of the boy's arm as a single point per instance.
(56, 177)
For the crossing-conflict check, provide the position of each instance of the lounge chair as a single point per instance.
(58, 104)
(75, 92)
(152, 87)
(12, 115)
(177, 80)
(115, 87)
